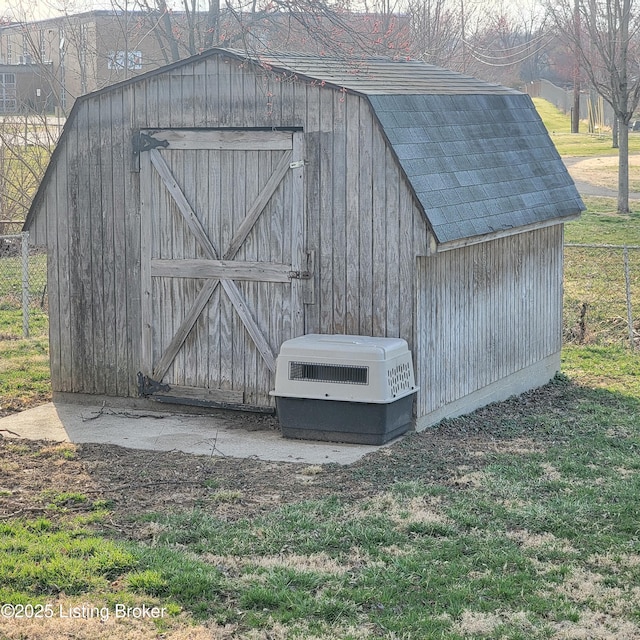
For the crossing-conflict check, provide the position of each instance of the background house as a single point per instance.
(199, 215)
(24, 89)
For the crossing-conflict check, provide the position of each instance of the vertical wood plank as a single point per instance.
(249, 89)
(146, 253)
(379, 239)
(339, 215)
(165, 307)
(227, 173)
(188, 286)
(56, 229)
(352, 215)
(121, 331)
(309, 108)
(153, 102)
(236, 94)
(326, 207)
(102, 267)
(80, 271)
(200, 82)
(297, 237)
(214, 332)
(173, 308)
(407, 267)
(285, 96)
(170, 96)
(419, 350)
(392, 215)
(244, 355)
(187, 114)
(134, 107)
(201, 347)
(365, 230)
(267, 301)
(212, 91)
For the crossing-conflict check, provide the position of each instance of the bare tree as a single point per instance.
(29, 130)
(509, 42)
(321, 26)
(604, 34)
(437, 31)
(27, 141)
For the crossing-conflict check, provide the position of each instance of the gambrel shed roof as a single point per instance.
(476, 154)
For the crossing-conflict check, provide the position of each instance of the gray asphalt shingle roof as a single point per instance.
(477, 155)
(499, 161)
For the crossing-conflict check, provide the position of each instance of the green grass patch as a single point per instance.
(396, 574)
(41, 558)
(25, 376)
(611, 367)
(601, 224)
(179, 581)
(578, 144)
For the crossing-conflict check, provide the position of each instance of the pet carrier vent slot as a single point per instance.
(400, 378)
(314, 372)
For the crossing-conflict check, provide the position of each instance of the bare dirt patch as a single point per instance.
(135, 482)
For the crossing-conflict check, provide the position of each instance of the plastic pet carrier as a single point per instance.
(341, 388)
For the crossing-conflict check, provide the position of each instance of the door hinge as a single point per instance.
(298, 164)
(145, 142)
(147, 386)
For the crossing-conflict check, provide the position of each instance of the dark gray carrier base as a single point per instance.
(352, 422)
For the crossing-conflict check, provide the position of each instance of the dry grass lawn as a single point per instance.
(603, 172)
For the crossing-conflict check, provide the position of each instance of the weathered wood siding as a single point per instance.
(486, 312)
(361, 220)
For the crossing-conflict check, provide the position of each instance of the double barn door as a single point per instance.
(222, 262)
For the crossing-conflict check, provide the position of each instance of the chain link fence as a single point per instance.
(601, 285)
(23, 277)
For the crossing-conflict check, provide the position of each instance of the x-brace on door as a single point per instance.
(222, 261)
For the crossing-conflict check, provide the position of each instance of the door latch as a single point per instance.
(299, 275)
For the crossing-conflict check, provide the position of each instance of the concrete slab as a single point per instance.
(158, 431)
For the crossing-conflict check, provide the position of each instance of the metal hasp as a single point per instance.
(147, 386)
(306, 273)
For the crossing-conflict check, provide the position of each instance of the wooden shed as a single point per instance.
(199, 215)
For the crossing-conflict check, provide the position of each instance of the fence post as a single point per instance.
(25, 283)
(627, 281)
